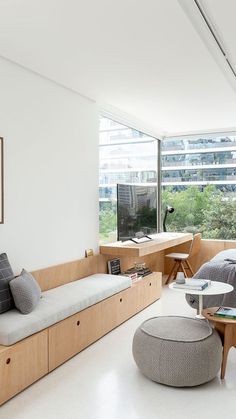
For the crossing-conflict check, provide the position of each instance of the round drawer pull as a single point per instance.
(121, 300)
(78, 323)
(8, 361)
(150, 284)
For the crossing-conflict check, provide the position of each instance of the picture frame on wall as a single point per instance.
(1, 183)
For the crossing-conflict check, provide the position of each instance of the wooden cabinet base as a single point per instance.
(22, 364)
(27, 361)
(75, 333)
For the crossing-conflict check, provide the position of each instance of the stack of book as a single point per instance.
(226, 312)
(133, 276)
(193, 284)
(141, 271)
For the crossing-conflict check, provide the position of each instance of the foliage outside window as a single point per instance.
(199, 181)
(209, 212)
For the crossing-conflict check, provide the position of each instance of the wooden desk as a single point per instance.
(161, 241)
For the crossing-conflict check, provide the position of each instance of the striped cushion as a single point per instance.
(6, 274)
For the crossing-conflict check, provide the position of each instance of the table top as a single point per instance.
(213, 289)
(159, 242)
(208, 313)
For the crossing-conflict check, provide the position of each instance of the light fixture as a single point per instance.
(169, 209)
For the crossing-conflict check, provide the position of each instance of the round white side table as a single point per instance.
(213, 289)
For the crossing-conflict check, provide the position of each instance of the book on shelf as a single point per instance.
(193, 284)
(133, 276)
(113, 266)
(140, 271)
(226, 312)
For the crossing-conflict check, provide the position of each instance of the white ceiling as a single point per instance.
(143, 57)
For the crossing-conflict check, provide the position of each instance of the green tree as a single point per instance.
(207, 211)
(220, 220)
(108, 222)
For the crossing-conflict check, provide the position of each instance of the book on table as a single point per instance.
(226, 312)
(193, 284)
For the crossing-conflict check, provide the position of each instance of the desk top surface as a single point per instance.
(160, 241)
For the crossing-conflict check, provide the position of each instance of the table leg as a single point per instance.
(228, 343)
(200, 308)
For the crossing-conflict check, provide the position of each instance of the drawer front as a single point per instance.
(110, 312)
(73, 334)
(118, 308)
(129, 304)
(22, 364)
(150, 289)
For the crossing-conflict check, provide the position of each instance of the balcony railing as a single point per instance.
(199, 162)
(173, 147)
(210, 178)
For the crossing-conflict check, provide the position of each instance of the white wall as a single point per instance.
(51, 170)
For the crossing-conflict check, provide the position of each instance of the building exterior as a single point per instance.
(126, 156)
(199, 161)
(129, 156)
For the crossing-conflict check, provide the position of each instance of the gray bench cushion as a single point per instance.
(59, 303)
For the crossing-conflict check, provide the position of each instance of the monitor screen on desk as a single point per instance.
(136, 210)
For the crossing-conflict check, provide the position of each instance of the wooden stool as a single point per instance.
(182, 259)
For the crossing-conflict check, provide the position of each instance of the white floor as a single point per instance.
(103, 382)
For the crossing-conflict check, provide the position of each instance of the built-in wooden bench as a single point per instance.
(35, 356)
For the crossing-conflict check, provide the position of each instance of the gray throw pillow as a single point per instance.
(26, 292)
(6, 274)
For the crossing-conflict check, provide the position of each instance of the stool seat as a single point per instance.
(179, 256)
(177, 351)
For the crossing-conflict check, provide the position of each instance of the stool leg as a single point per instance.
(176, 271)
(183, 269)
(189, 267)
(171, 273)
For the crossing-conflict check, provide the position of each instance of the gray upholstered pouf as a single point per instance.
(177, 351)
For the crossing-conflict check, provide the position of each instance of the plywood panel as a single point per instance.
(61, 274)
(160, 242)
(70, 336)
(22, 364)
(151, 289)
(154, 261)
(73, 334)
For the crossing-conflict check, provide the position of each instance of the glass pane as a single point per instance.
(126, 156)
(199, 181)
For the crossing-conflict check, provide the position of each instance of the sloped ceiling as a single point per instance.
(143, 57)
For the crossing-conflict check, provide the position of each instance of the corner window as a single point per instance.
(127, 156)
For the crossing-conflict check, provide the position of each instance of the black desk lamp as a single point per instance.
(168, 210)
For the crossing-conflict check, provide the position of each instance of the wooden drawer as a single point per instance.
(122, 306)
(150, 288)
(118, 308)
(73, 334)
(110, 312)
(129, 304)
(22, 364)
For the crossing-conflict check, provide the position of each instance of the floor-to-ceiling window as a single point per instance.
(199, 181)
(127, 156)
